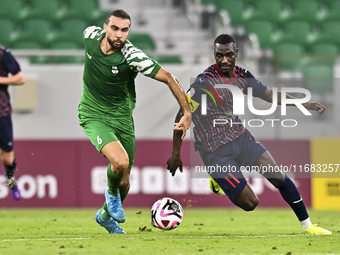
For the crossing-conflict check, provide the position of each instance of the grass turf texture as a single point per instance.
(202, 231)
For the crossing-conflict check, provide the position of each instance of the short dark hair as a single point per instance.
(225, 39)
(118, 13)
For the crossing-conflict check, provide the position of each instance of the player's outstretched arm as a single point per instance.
(268, 96)
(175, 160)
(17, 79)
(184, 123)
(315, 106)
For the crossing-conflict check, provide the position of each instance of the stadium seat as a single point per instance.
(163, 59)
(332, 14)
(329, 33)
(264, 31)
(304, 10)
(332, 28)
(7, 32)
(33, 46)
(70, 30)
(324, 53)
(235, 9)
(66, 59)
(318, 78)
(269, 10)
(249, 3)
(36, 30)
(99, 22)
(295, 32)
(64, 46)
(288, 2)
(49, 10)
(100, 19)
(142, 41)
(12, 9)
(22, 45)
(288, 56)
(298, 28)
(325, 49)
(214, 2)
(85, 9)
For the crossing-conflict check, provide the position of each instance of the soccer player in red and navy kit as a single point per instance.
(8, 65)
(231, 144)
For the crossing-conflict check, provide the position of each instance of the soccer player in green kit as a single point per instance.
(105, 111)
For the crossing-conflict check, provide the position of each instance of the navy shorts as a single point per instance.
(227, 159)
(6, 133)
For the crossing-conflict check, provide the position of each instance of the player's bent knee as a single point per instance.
(119, 168)
(250, 204)
(277, 181)
(122, 167)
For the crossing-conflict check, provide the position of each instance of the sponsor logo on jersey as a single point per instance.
(192, 103)
(114, 69)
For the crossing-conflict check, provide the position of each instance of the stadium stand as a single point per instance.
(331, 13)
(236, 15)
(66, 59)
(144, 41)
(318, 78)
(172, 59)
(288, 55)
(269, 10)
(13, 10)
(50, 10)
(264, 31)
(86, 9)
(309, 25)
(70, 31)
(303, 35)
(304, 10)
(33, 46)
(7, 32)
(298, 32)
(325, 53)
(329, 32)
(53, 24)
(36, 30)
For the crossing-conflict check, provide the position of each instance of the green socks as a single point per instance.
(113, 181)
(103, 211)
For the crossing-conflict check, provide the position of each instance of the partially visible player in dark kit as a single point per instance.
(8, 65)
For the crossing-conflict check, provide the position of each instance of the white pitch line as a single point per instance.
(150, 237)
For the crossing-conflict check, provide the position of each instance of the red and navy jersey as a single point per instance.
(209, 133)
(8, 64)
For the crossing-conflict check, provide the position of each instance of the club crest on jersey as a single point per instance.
(114, 69)
(191, 92)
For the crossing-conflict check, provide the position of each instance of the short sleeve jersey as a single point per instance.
(8, 64)
(109, 80)
(218, 104)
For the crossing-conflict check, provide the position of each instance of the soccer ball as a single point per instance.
(166, 214)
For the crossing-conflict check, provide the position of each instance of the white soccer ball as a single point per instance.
(166, 214)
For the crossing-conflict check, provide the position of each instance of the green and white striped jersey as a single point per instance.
(109, 80)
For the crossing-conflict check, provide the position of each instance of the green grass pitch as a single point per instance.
(202, 231)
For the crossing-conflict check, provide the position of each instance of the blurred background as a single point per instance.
(284, 43)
